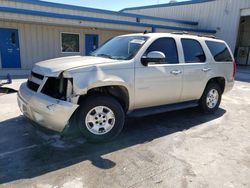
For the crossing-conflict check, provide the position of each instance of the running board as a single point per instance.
(162, 109)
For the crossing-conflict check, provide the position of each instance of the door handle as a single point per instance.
(206, 69)
(176, 72)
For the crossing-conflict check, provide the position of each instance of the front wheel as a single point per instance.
(100, 118)
(211, 98)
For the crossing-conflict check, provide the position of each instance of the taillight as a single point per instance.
(234, 71)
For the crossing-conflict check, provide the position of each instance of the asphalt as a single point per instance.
(183, 148)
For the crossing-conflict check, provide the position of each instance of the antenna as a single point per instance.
(145, 32)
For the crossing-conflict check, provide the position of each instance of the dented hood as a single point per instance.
(56, 66)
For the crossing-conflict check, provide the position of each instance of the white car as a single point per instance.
(129, 74)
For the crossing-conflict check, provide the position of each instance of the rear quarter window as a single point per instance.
(219, 51)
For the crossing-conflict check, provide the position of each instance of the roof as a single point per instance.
(100, 20)
(26, 11)
(80, 8)
(191, 2)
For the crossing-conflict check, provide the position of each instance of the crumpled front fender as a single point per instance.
(82, 82)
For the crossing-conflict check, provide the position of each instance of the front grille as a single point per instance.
(55, 87)
(33, 86)
(34, 81)
(39, 76)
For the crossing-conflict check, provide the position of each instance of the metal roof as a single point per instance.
(100, 20)
(168, 5)
(73, 7)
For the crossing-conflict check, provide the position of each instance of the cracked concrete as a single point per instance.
(176, 149)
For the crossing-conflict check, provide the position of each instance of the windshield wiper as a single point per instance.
(104, 55)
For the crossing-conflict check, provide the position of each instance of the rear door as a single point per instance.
(196, 69)
(159, 83)
(9, 48)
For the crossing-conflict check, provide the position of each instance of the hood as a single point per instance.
(58, 65)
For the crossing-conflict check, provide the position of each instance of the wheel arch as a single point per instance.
(119, 92)
(221, 81)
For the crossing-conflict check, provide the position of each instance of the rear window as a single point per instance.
(219, 51)
(193, 51)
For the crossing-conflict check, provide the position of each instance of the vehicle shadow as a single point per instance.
(23, 154)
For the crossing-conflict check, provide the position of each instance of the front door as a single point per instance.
(159, 83)
(9, 48)
(91, 43)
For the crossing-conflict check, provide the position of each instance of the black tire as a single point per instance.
(100, 100)
(203, 101)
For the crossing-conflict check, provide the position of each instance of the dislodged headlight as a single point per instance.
(59, 88)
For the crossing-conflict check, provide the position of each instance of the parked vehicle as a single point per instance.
(129, 74)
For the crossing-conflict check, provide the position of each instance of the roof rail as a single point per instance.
(208, 36)
(187, 33)
(180, 33)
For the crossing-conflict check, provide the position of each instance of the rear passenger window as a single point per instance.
(193, 51)
(166, 46)
(219, 51)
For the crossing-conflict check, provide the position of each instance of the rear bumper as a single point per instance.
(46, 111)
(229, 86)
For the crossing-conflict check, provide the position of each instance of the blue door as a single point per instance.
(9, 48)
(91, 43)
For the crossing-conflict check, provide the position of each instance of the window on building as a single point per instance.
(219, 51)
(166, 46)
(70, 42)
(193, 51)
(13, 38)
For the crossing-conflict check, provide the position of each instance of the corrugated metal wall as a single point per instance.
(40, 42)
(222, 15)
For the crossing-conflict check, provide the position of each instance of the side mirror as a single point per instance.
(154, 57)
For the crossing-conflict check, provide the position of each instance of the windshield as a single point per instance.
(124, 47)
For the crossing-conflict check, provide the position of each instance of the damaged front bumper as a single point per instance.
(44, 110)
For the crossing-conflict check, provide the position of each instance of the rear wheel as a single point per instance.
(100, 118)
(211, 98)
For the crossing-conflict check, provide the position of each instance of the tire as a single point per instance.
(207, 103)
(100, 118)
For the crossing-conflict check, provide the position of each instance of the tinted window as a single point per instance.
(219, 50)
(166, 46)
(193, 51)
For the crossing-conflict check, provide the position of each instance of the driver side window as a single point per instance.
(166, 46)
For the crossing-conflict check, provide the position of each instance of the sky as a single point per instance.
(115, 5)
